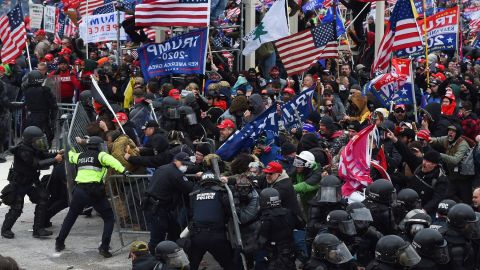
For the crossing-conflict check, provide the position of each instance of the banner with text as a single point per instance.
(442, 31)
(183, 54)
(36, 15)
(101, 27)
(49, 19)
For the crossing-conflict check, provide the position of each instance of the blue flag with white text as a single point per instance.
(329, 18)
(297, 110)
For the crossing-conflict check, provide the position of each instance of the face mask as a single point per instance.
(183, 168)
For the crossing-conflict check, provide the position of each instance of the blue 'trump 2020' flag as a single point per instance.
(248, 135)
(297, 110)
(183, 54)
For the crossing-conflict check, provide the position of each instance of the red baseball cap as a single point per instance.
(121, 117)
(424, 135)
(48, 57)
(289, 91)
(273, 167)
(40, 32)
(174, 93)
(66, 51)
(401, 106)
(227, 123)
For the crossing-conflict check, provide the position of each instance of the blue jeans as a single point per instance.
(267, 64)
(300, 245)
(217, 9)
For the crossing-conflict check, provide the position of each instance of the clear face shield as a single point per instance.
(338, 254)
(441, 255)
(408, 256)
(347, 227)
(329, 194)
(178, 259)
(298, 162)
(173, 113)
(40, 143)
(415, 228)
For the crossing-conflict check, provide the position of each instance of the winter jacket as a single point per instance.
(440, 124)
(118, 151)
(454, 151)
(284, 186)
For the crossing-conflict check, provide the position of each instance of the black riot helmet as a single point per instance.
(444, 206)
(328, 247)
(381, 191)
(461, 217)
(171, 108)
(392, 249)
(409, 199)
(243, 186)
(171, 254)
(415, 221)
(86, 98)
(341, 221)
(209, 178)
(95, 143)
(429, 243)
(189, 114)
(269, 198)
(35, 78)
(329, 190)
(34, 136)
(361, 215)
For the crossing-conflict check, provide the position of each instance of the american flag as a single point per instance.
(401, 33)
(193, 13)
(327, 4)
(12, 34)
(230, 58)
(64, 27)
(232, 13)
(474, 25)
(299, 51)
(150, 32)
(107, 8)
(92, 5)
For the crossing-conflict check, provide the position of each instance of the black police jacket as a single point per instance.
(40, 99)
(382, 216)
(27, 162)
(276, 230)
(146, 262)
(209, 208)
(462, 255)
(427, 264)
(366, 245)
(167, 185)
(376, 265)
(318, 264)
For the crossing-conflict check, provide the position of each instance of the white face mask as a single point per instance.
(183, 168)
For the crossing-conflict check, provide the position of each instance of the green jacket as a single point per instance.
(454, 153)
(95, 175)
(307, 185)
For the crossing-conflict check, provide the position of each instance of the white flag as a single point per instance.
(273, 26)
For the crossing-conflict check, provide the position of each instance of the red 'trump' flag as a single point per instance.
(12, 34)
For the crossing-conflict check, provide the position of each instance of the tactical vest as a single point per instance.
(89, 161)
(208, 210)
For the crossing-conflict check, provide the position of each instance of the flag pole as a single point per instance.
(414, 98)
(86, 41)
(118, 37)
(426, 40)
(459, 32)
(28, 56)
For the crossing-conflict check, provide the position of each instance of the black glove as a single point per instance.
(126, 173)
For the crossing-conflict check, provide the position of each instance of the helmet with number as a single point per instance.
(392, 249)
(329, 190)
(35, 78)
(34, 136)
(96, 143)
(381, 191)
(304, 159)
(341, 221)
(328, 247)
(461, 217)
(429, 243)
(270, 198)
(444, 206)
(361, 215)
(416, 220)
(171, 254)
(209, 178)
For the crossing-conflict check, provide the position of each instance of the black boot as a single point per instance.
(59, 245)
(104, 252)
(38, 233)
(39, 221)
(10, 219)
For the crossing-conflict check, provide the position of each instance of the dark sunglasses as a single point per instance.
(329, 105)
(399, 111)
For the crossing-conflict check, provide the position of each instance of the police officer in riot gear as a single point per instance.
(463, 226)
(433, 249)
(41, 104)
(170, 114)
(327, 199)
(379, 197)
(413, 222)
(407, 200)
(276, 231)
(210, 211)
(171, 256)
(328, 252)
(442, 212)
(30, 156)
(90, 190)
(367, 235)
(392, 253)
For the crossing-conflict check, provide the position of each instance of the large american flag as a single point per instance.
(64, 27)
(107, 8)
(401, 33)
(193, 13)
(12, 34)
(299, 51)
(92, 5)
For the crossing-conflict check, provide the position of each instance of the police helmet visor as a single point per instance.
(472, 229)
(362, 214)
(298, 162)
(347, 227)
(441, 254)
(329, 194)
(415, 228)
(339, 254)
(40, 143)
(408, 256)
(191, 119)
(177, 259)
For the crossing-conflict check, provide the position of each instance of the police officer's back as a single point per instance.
(392, 252)
(328, 252)
(433, 249)
(210, 211)
(379, 197)
(276, 231)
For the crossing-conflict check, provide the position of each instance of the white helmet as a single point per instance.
(304, 159)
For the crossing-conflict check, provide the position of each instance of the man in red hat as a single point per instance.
(68, 80)
(43, 45)
(227, 128)
(127, 126)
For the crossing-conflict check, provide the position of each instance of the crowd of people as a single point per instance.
(421, 210)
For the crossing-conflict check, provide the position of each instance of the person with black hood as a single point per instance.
(256, 107)
(155, 153)
(332, 135)
(433, 120)
(429, 179)
(288, 153)
(456, 147)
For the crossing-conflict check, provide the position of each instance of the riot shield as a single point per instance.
(54, 84)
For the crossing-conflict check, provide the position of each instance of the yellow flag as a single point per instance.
(128, 94)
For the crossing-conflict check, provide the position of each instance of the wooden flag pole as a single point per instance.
(426, 40)
(28, 55)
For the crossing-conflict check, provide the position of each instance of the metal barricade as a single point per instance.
(15, 126)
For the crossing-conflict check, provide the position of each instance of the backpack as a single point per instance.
(467, 164)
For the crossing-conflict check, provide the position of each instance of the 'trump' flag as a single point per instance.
(355, 158)
(12, 34)
(195, 13)
(64, 27)
(246, 137)
(329, 18)
(386, 87)
(273, 26)
(405, 93)
(312, 5)
(297, 110)
(299, 51)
